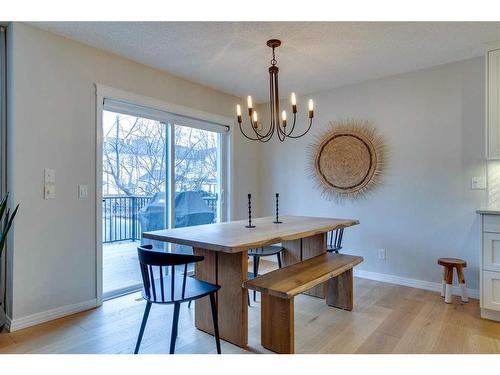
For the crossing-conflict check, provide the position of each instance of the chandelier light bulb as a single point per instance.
(238, 113)
(311, 109)
(283, 115)
(294, 99)
(255, 117)
(249, 101)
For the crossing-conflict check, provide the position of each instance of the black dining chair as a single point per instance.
(258, 253)
(335, 244)
(172, 289)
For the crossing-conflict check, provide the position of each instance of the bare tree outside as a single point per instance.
(135, 157)
(195, 160)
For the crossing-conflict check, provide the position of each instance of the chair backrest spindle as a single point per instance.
(149, 259)
(173, 282)
(152, 280)
(184, 280)
(336, 241)
(161, 284)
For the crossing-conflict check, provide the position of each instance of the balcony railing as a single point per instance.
(120, 216)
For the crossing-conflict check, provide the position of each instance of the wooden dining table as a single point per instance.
(225, 247)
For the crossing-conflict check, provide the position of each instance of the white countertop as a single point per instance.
(489, 211)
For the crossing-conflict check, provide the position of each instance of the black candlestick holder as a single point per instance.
(277, 221)
(249, 212)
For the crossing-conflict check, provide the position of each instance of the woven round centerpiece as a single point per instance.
(347, 158)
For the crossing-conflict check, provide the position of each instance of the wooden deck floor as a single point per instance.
(120, 265)
(386, 319)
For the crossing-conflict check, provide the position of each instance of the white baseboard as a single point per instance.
(420, 284)
(45, 316)
(490, 314)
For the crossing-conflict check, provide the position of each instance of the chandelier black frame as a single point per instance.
(274, 103)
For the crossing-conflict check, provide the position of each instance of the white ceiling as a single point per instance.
(315, 56)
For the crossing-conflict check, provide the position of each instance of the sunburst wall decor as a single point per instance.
(346, 160)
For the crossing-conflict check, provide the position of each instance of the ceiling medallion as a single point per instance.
(283, 131)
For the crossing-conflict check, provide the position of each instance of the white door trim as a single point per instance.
(98, 192)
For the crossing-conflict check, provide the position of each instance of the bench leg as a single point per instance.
(277, 324)
(340, 291)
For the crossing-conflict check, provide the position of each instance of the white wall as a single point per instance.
(433, 122)
(52, 124)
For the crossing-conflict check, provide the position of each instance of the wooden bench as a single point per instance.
(278, 288)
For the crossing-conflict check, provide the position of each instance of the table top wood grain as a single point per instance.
(233, 237)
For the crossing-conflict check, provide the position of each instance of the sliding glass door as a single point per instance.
(135, 153)
(197, 178)
(159, 171)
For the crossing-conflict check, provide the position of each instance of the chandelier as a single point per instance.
(283, 130)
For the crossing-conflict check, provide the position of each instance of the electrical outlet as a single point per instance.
(381, 254)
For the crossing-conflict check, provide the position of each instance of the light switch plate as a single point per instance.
(50, 176)
(478, 183)
(50, 191)
(49, 185)
(83, 191)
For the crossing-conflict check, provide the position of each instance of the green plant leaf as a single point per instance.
(3, 205)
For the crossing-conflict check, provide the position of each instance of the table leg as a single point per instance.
(229, 271)
(304, 248)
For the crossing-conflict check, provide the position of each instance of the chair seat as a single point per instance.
(265, 251)
(331, 248)
(194, 289)
(452, 262)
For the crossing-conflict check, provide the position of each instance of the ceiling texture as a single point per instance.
(315, 56)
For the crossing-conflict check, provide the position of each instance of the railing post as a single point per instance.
(134, 218)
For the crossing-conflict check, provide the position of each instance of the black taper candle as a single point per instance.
(249, 212)
(277, 221)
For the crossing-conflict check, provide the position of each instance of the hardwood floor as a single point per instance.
(386, 319)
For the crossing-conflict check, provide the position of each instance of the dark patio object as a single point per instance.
(190, 209)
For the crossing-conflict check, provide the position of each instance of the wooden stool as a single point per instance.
(449, 264)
